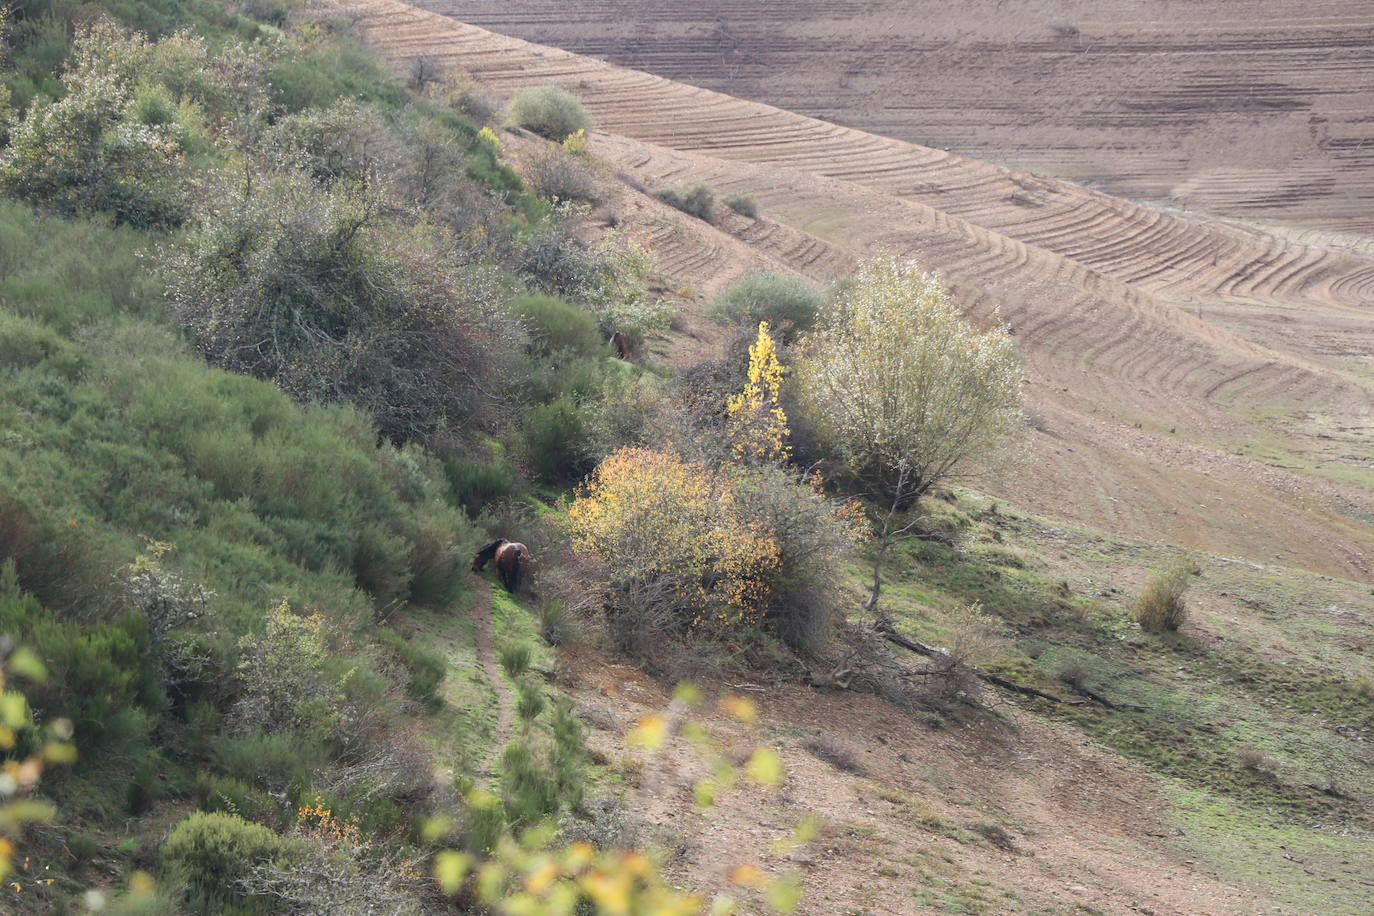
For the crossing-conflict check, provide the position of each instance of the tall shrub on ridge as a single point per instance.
(904, 391)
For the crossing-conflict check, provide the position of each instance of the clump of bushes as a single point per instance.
(550, 111)
(711, 550)
(607, 277)
(558, 175)
(426, 669)
(743, 204)
(698, 200)
(556, 440)
(788, 303)
(475, 485)
(116, 140)
(100, 677)
(225, 794)
(1161, 606)
(556, 326)
(283, 681)
(211, 851)
(316, 289)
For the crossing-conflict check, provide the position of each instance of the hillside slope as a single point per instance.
(1254, 108)
(1191, 381)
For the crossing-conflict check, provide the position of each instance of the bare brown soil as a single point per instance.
(1241, 107)
(1083, 830)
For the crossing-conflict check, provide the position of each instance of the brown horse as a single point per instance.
(508, 557)
(621, 345)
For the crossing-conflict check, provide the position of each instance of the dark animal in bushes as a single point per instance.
(508, 557)
(622, 346)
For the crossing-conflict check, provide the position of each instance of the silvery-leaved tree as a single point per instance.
(905, 392)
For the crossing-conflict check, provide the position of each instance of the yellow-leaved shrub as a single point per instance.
(678, 550)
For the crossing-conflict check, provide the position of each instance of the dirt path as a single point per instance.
(491, 668)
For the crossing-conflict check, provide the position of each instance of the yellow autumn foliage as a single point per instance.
(756, 422)
(650, 516)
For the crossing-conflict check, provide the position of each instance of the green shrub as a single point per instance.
(556, 440)
(282, 761)
(283, 679)
(426, 669)
(99, 677)
(484, 823)
(1161, 606)
(528, 790)
(226, 794)
(437, 567)
(515, 658)
(211, 851)
(788, 303)
(381, 564)
(743, 204)
(144, 787)
(699, 200)
(83, 846)
(530, 702)
(550, 111)
(557, 625)
(557, 326)
(72, 273)
(26, 344)
(319, 291)
(474, 485)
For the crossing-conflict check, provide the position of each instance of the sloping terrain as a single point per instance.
(1243, 107)
(1191, 381)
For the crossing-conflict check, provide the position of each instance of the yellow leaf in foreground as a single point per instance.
(785, 893)
(450, 868)
(765, 767)
(741, 708)
(748, 875)
(650, 733)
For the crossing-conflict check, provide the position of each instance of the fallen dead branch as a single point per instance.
(996, 680)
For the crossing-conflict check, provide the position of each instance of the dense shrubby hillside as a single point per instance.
(254, 327)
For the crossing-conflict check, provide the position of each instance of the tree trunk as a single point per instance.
(872, 603)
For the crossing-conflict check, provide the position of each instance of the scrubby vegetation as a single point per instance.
(787, 302)
(699, 200)
(558, 175)
(743, 204)
(282, 343)
(1161, 607)
(550, 111)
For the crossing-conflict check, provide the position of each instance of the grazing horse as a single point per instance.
(508, 557)
(622, 346)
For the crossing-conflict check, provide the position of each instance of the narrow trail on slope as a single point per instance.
(486, 657)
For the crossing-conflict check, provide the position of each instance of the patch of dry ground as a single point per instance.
(1243, 107)
(1086, 831)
